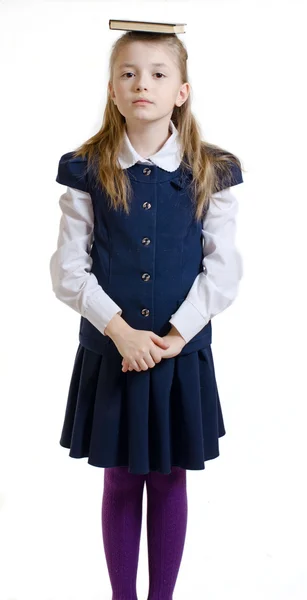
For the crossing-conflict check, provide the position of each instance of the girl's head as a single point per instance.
(153, 69)
(156, 68)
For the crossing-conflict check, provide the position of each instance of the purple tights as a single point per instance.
(167, 510)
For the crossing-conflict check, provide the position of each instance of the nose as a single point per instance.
(141, 82)
(140, 86)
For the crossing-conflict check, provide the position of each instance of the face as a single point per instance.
(141, 78)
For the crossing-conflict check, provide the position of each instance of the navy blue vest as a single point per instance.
(145, 261)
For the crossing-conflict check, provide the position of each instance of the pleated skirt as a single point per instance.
(169, 415)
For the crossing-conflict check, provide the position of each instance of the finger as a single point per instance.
(134, 365)
(126, 366)
(143, 364)
(157, 354)
(160, 342)
(150, 359)
(129, 367)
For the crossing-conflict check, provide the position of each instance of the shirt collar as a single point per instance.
(168, 157)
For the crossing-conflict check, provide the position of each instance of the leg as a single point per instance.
(167, 510)
(121, 528)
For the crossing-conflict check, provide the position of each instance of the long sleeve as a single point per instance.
(70, 265)
(216, 287)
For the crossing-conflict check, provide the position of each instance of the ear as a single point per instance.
(110, 86)
(183, 94)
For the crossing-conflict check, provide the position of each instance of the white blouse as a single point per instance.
(213, 290)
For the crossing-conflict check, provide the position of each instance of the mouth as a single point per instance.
(142, 102)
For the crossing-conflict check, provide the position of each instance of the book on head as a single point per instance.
(147, 26)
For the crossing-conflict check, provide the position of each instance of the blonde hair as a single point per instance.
(206, 163)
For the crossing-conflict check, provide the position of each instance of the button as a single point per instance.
(146, 205)
(146, 241)
(145, 276)
(147, 171)
(145, 312)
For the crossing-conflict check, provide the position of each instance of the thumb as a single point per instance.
(160, 341)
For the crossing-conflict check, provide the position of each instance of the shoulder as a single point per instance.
(73, 171)
(228, 170)
(236, 175)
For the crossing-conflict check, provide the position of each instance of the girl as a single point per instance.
(146, 255)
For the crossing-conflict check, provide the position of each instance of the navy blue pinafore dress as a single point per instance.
(146, 261)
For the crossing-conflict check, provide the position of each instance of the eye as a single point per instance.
(155, 74)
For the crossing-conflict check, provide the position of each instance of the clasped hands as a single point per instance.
(173, 344)
(166, 346)
(142, 349)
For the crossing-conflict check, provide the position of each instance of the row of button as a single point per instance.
(146, 205)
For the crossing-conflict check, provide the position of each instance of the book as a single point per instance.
(147, 26)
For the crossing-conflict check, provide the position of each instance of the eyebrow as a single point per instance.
(126, 64)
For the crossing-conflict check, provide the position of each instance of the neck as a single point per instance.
(147, 138)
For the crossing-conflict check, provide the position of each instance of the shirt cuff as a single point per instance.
(188, 320)
(100, 310)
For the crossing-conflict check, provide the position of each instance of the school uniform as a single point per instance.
(156, 267)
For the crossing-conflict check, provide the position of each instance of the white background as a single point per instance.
(246, 536)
